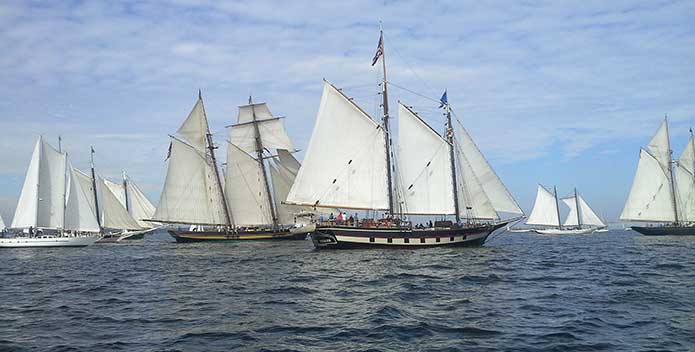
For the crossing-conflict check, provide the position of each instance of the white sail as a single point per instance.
(659, 146)
(113, 214)
(424, 167)
(684, 173)
(345, 163)
(473, 200)
(271, 129)
(195, 128)
(118, 191)
(2, 225)
(496, 191)
(588, 216)
(140, 206)
(282, 182)
(545, 211)
(190, 193)
(85, 182)
(79, 213)
(245, 189)
(286, 160)
(650, 197)
(42, 202)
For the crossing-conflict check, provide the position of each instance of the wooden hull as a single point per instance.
(48, 241)
(219, 236)
(665, 230)
(346, 237)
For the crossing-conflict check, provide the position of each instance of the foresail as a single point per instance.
(424, 167)
(588, 215)
(190, 193)
(245, 189)
(545, 211)
(27, 208)
(473, 200)
(572, 218)
(650, 196)
(500, 197)
(79, 214)
(345, 163)
(140, 206)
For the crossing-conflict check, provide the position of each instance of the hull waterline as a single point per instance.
(219, 236)
(48, 241)
(665, 230)
(344, 237)
(565, 232)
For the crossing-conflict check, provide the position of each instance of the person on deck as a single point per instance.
(339, 219)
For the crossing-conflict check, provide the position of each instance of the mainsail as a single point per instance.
(42, 201)
(545, 210)
(79, 212)
(245, 189)
(192, 193)
(344, 165)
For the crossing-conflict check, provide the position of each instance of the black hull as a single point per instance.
(344, 237)
(221, 236)
(665, 230)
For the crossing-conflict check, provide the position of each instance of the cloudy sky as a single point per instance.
(559, 92)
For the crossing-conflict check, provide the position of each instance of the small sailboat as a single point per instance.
(663, 190)
(52, 210)
(350, 164)
(243, 207)
(546, 212)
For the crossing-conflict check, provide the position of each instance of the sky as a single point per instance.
(562, 93)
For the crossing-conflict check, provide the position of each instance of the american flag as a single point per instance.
(379, 50)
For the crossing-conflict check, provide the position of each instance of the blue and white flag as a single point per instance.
(443, 101)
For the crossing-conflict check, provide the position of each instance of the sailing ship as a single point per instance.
(663, 190)
(138, 206)
(243, 207)
(546, 212)
(53, 210)
(349, 164)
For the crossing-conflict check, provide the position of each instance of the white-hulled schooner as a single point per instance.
(546, 213)
(53, 210)
(349, 164)
(663, 190)
(243, 207)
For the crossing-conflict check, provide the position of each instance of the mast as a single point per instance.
(387, 134)
(125, 192)
(576, 204)
(65, 180)
(670, 173)
(557, 208)
(211, 148)
(94, 188)
(452, 157)
(259, 156)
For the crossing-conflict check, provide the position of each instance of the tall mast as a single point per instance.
(94, 189)
(557, 208)
(576, 204)
(670, 172)
(452, 156)
(211, 148)
(65, 179)
(259, 156)
(387, 134)
(692, 142)
(125, 191)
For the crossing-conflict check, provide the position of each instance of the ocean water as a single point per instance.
(616, 291)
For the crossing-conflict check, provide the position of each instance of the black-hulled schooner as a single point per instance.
(663, 190)
(350, 164)
(198, 205)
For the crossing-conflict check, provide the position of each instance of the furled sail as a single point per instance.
(424, 167)
(245, 189)
(42, 201)
(79, 212)
(500, 197)
(650, 197)
(545, 211)
(344, 165)
(140, 206)
(586, 214)
(270, 129)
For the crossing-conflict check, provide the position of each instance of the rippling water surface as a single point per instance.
(611, 291)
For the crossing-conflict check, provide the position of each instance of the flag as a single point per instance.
(379, 50)
(169, 151)
(443, 101)
(92, 150)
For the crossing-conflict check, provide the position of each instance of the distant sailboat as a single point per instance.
(52, 209)
(348, 165)
(663, 190)
(546, 212)
(244, 207)
(136, 204)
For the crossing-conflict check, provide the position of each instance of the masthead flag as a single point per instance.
(443, 101)
(379, 50)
